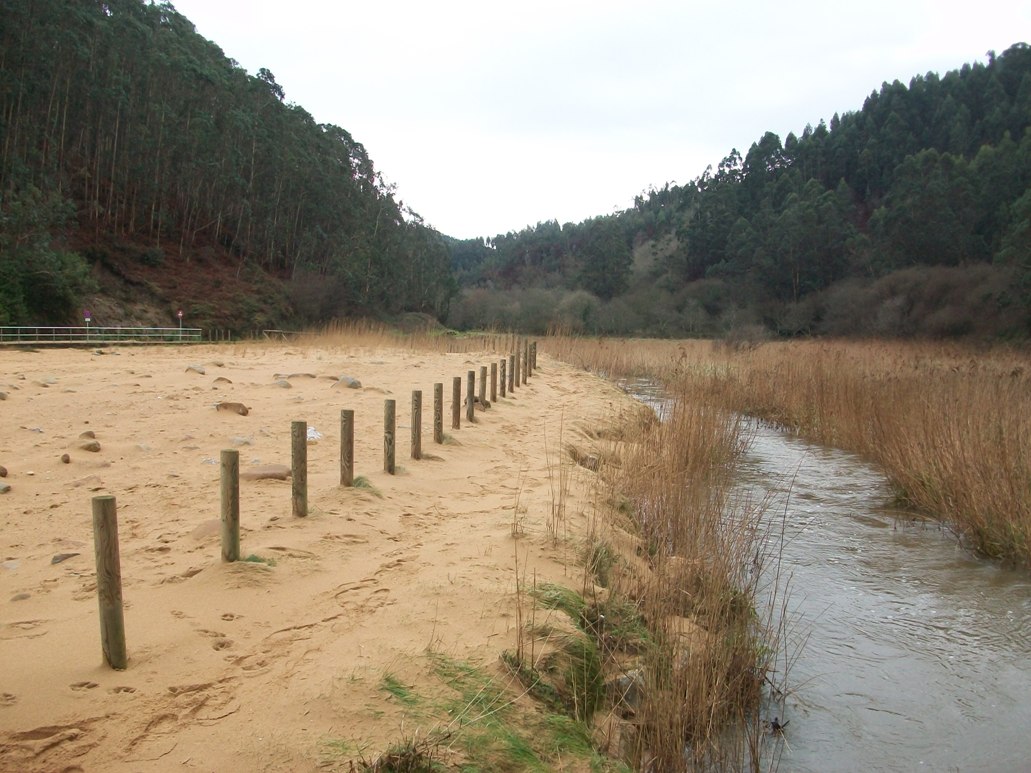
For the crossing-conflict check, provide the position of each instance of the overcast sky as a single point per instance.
(489, 117)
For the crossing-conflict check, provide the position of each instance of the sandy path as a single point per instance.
(248, 666)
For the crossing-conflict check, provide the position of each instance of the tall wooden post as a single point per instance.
(438, 413)
(230, 497)
(529, 362)
(456, 403)
(483, 387)
(470, 396)
(109, 581)
(533, 354)
(526, 360)
(417, 424)
(389, 430)
(299, 467)
(515, 371)
(347, 447)
(493, 382)
(504, 379)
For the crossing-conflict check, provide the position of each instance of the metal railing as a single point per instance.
(98, 334)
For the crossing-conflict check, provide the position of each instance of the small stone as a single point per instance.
(195, 369)
(3, 395)
(283, 384)
(348, 382)
(92, 446)
(222, 380)
(20, 596)
(66, 459)
(87, 435)
(239, 408)
(3, 471)
(4, 488)
(62, 557)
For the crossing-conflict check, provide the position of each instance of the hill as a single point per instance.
(909, 216)
(134, 148)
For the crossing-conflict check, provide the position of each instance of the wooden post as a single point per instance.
(389, 429)
(299, 467)
(438, 413)
(416, 424)
(526, 360)
(533, 354)
(470, 396)
(230, 495)
(529, 362)
(347, 447)
(109, 581)
(515, 372)
(483, 387)
(493, 382)
(504, 380)
(456, 403)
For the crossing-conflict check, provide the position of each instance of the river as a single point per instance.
(905, 652)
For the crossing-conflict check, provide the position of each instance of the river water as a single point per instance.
(902, 651)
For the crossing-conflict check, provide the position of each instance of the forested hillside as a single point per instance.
(135, 155)
(909, 216)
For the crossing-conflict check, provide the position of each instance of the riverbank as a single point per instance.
(320, 648)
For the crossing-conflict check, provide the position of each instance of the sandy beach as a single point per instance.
(276, 663)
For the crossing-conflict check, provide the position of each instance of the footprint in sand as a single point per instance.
(122, 690)
(222, 644)
(8, 699)
(230, 616)
(84, 685)
(251, 664)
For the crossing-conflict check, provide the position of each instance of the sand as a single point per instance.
(274, 664)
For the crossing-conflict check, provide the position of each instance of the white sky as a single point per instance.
(489, 117)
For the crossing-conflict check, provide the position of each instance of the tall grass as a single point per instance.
(694, 580)
(949, 425)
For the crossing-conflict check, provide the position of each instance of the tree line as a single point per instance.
(899, 207)
(120, 122)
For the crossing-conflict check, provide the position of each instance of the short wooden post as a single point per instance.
(515, 371)
(389, 430)
(525, 352)
(299, 467)
(493, 382)
(504, 380)
(438, 413)
(347, 447)
(230, 496)
(109, 581)
(533, 354)
(456, 403)
(529, 362)
(417, 424)
(483, 387)
(470, 396)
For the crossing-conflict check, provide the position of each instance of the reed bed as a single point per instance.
(948, 425)
(703, 675)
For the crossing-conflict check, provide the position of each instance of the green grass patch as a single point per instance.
(401, 692)
(253, 558)
(361, 482)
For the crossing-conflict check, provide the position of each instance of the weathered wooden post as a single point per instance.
(470, 396)
(438, 413)
(533, 354)
(109, 581)
(230, 498)
(504, 380)
(347, 447)
(389, 430)
(416, 424)
(483, 387)
(529, 362)
(456, 403)
(493, 382)
(299, 467)
(525, 352)
(515, 371)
